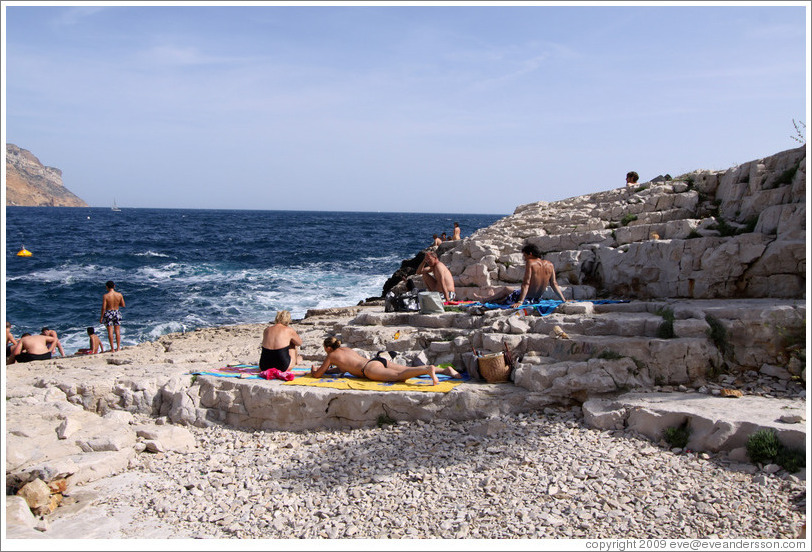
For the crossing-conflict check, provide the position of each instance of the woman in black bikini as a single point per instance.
(376, 369)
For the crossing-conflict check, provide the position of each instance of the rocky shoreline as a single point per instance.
(549, 472)
(710, 336)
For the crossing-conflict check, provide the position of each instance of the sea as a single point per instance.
(184, 269)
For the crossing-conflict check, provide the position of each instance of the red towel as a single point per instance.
(274, 373)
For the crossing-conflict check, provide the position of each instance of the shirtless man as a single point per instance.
(34, 347)
(110, 316)
(95, 343)
(376, 369)
(538, 274)
(632, 178)
(279, 345)
(48, 331)
(10, 344)
(456, 235)
(436, 240)
(442, 280)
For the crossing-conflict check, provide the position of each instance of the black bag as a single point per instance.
(405, 302)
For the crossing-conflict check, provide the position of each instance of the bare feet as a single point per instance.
(449, 371)
(433, 374)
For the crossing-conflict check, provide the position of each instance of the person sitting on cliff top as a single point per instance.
(280, 345)
(441, 281)
(375, 369)
(47, 331)
(538, 274)
(95, 344)
(436, 240)
(457, 231)
(631, 178)
(34, 347)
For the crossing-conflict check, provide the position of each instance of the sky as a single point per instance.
(429, 107)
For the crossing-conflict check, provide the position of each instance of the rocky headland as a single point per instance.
(31, 184)
(709, 342)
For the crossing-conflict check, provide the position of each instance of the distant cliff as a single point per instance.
(30, 184)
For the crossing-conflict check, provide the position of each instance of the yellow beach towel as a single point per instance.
(411, 384)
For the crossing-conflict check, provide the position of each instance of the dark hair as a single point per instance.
(90, 331)
(633, 175)
(110, 284)
(25, 335)
(532, 249)
(44, 329)
(332, 342)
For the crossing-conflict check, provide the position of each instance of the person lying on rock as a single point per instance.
(280, 345)
(538, 274)
(376, 369)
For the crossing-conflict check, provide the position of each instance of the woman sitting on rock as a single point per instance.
(280, 345)
(376, 369)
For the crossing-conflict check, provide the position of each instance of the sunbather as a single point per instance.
(280, 345)
(376, 369)
(538, 274)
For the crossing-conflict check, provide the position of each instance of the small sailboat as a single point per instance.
(115, 207)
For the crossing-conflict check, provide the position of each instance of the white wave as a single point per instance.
(65, 274)
(150, 253)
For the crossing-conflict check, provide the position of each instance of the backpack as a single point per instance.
(405, 302)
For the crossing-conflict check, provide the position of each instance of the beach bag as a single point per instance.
(472, 366)
(496, 367)
(431, 302)
(405, 302)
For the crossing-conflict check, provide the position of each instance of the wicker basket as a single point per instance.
(494, 368)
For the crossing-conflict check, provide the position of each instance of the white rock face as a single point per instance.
(734, 233)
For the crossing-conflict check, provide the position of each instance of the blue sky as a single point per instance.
(458, 108)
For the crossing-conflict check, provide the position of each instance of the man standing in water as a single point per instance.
(110, 316)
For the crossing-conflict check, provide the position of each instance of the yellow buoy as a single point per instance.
(24, 252)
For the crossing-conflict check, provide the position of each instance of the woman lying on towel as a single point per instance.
(376, 369)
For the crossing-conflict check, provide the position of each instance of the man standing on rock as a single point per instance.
(110, 316)
(441, 281)
(538, 274)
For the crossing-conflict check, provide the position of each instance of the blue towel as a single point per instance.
(543, 307)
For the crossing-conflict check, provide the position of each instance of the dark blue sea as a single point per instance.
(185, 269)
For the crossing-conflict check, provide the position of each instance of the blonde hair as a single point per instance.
(332, 342)
(282, 317)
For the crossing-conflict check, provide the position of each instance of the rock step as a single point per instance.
(715, 423)
(271, 405)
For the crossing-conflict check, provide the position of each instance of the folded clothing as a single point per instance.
(275, 373)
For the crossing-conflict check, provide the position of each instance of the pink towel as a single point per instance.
(274, 373)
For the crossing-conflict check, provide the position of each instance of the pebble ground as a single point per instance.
(538, 476)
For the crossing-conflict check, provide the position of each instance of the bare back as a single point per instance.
(539, 272)
(348, 360)
(113, 300)
(280, 336)
(37, 344)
